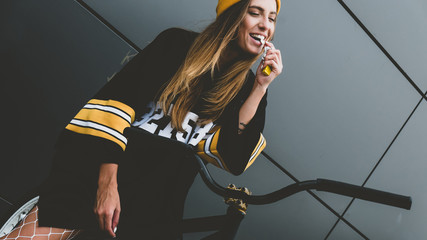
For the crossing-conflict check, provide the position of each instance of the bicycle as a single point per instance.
(237, 200)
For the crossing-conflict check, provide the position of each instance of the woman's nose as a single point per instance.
(263, 23)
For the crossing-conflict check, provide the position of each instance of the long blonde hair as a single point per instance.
(185, 87)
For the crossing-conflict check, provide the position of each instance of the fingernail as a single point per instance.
(115, 229)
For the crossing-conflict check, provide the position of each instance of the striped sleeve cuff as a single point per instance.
(207, 149)
(103, 118)
(258, 149)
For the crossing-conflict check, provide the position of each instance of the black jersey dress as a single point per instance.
(122, 124)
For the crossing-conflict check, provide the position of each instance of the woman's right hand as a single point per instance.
(107, 205)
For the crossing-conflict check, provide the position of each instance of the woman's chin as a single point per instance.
(253, 50)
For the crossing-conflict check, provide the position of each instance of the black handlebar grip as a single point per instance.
(364, 193)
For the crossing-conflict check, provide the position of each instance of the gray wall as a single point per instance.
(54, 57)
(341, 110)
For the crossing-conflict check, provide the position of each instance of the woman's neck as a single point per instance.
(227, 59)
(231, 54)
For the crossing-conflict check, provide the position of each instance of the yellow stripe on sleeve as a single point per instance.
(213, 148)
(258, 149)
(125, 108)
(103, 118)
(207, 149)
(108, 119)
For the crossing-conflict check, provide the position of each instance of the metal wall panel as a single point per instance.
(400, 26)
(342, 231)
(55, 56)
(141, 21)
(332, 113)
(402, 170)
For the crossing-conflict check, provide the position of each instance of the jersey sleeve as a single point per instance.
(100, 123)
(233, 152)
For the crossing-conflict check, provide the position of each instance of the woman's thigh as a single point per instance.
(29, 228)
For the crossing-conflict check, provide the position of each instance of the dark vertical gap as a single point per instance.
(382, 49)
(6, 201)
(340, 217)
(375, 167)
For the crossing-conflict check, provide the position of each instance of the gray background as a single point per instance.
(341, 109)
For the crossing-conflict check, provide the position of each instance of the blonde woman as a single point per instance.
(196, 88)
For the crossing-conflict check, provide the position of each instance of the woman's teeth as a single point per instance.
(258, 37)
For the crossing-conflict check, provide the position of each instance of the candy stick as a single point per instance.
(266, 70)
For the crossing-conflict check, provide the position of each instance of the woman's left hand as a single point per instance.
(272, 59)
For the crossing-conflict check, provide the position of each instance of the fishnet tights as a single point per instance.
(29, 229)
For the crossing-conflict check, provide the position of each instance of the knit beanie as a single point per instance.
(225, 4)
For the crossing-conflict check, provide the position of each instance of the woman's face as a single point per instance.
(258, 23)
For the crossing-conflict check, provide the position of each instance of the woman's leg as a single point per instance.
(29, 229)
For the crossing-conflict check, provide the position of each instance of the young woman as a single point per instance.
(194, 88)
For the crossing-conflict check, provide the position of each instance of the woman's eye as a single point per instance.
(254, 13)
(272, 19)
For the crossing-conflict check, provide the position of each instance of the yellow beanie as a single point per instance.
(225, 4)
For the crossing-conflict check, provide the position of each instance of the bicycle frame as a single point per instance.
(228, 224)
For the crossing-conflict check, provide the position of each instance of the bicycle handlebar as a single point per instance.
(364, 193)
(319, 184)
(326, 185)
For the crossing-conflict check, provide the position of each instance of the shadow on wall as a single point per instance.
(53, 60)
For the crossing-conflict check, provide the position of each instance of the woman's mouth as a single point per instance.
(257, 37)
